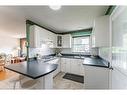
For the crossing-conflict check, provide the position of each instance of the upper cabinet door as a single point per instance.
(100, 33)
(59, 41)
(66, 41)
(34, 38)
(39, 36)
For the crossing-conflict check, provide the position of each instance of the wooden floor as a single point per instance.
(5, 74)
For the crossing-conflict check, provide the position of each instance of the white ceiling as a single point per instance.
(12, 22)
(68, 18)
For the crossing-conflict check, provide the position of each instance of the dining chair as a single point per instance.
(2, 62)
(8, 59)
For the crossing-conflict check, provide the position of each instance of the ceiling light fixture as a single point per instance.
(55, 7)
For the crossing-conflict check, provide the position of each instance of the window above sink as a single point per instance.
(81, 44)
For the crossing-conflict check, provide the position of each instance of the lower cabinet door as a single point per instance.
(96, 77)
(63, 65)
(74, 66)
(81, 72)
(81, 67)
(57, 70)
(68, 66)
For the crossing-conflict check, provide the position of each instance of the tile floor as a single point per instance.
(59, 82)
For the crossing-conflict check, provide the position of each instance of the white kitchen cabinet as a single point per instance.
(54, 41)
(77, 67)
(39, 36)
(34, 37)
(66, 41)
(100, 33)
(51, 39)
(56, 61)
(96, 77)
(81, 66)
(68, 65)
(59, 41)
(74, 66)
(65, 65)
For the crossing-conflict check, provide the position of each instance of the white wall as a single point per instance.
(12, 27)
(8, 44)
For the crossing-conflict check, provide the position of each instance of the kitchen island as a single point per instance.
(37, 70)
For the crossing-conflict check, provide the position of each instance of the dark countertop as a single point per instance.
(88, 60)
(53, 56)
(98, 62)
(73, 57)
(32, 69)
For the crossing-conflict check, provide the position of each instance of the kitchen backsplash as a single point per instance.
(104, 52)
(47, 51)
(93, 51)
(40, 51)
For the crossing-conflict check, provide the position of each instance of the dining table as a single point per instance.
(37, 70)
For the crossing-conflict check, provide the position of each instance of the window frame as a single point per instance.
(82, 44)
